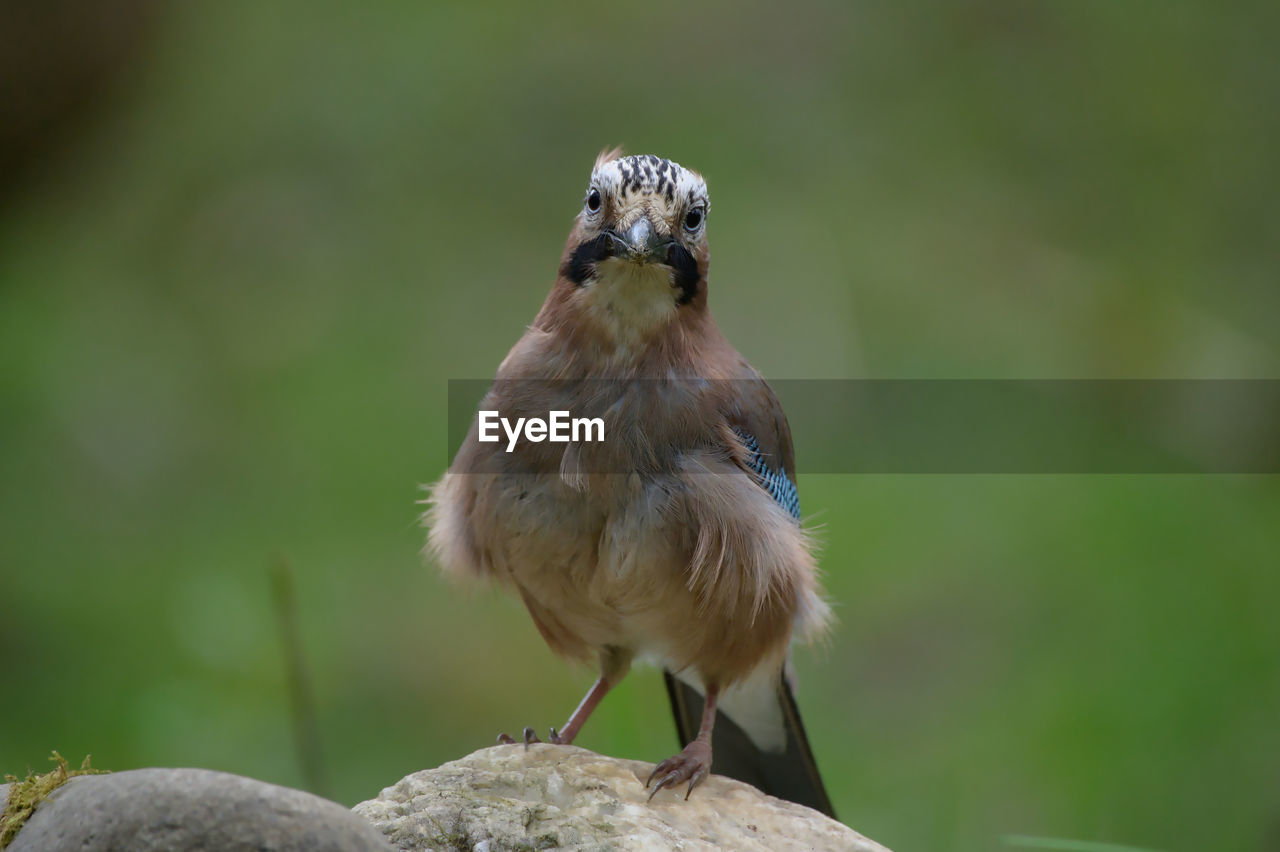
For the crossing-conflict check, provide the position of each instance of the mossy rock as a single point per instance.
(26, 795)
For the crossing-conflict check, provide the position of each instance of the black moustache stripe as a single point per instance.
(578, 267)
(581, 265)
(685, 270)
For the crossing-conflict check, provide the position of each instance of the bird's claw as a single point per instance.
(692, 765)
(530, 736)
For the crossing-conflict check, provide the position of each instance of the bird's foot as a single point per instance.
(690, 765)
(531, 736)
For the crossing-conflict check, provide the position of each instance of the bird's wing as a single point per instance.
(761, 440)
(758, 736)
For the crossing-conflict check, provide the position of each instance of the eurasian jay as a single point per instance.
(677, 538)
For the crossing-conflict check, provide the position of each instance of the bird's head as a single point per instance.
(637, 254)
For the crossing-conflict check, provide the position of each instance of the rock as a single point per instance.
(189, 809)
(562, 797)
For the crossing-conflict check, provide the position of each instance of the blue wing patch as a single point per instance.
(780, 488)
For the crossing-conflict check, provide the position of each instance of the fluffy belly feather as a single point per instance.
(666, 567)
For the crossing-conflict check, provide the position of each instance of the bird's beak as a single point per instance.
(640, 243)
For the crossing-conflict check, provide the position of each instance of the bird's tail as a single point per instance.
(786, 771)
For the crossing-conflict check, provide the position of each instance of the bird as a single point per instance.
(677, 538)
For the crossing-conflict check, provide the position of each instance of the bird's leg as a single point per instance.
(614, 664)
(589, 701)
(694, 762)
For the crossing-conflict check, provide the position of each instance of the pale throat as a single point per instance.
(628, 301)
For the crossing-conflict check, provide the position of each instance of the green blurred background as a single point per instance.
(244, 245)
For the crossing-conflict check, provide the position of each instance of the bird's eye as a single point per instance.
(693, 220)
(593, 200)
